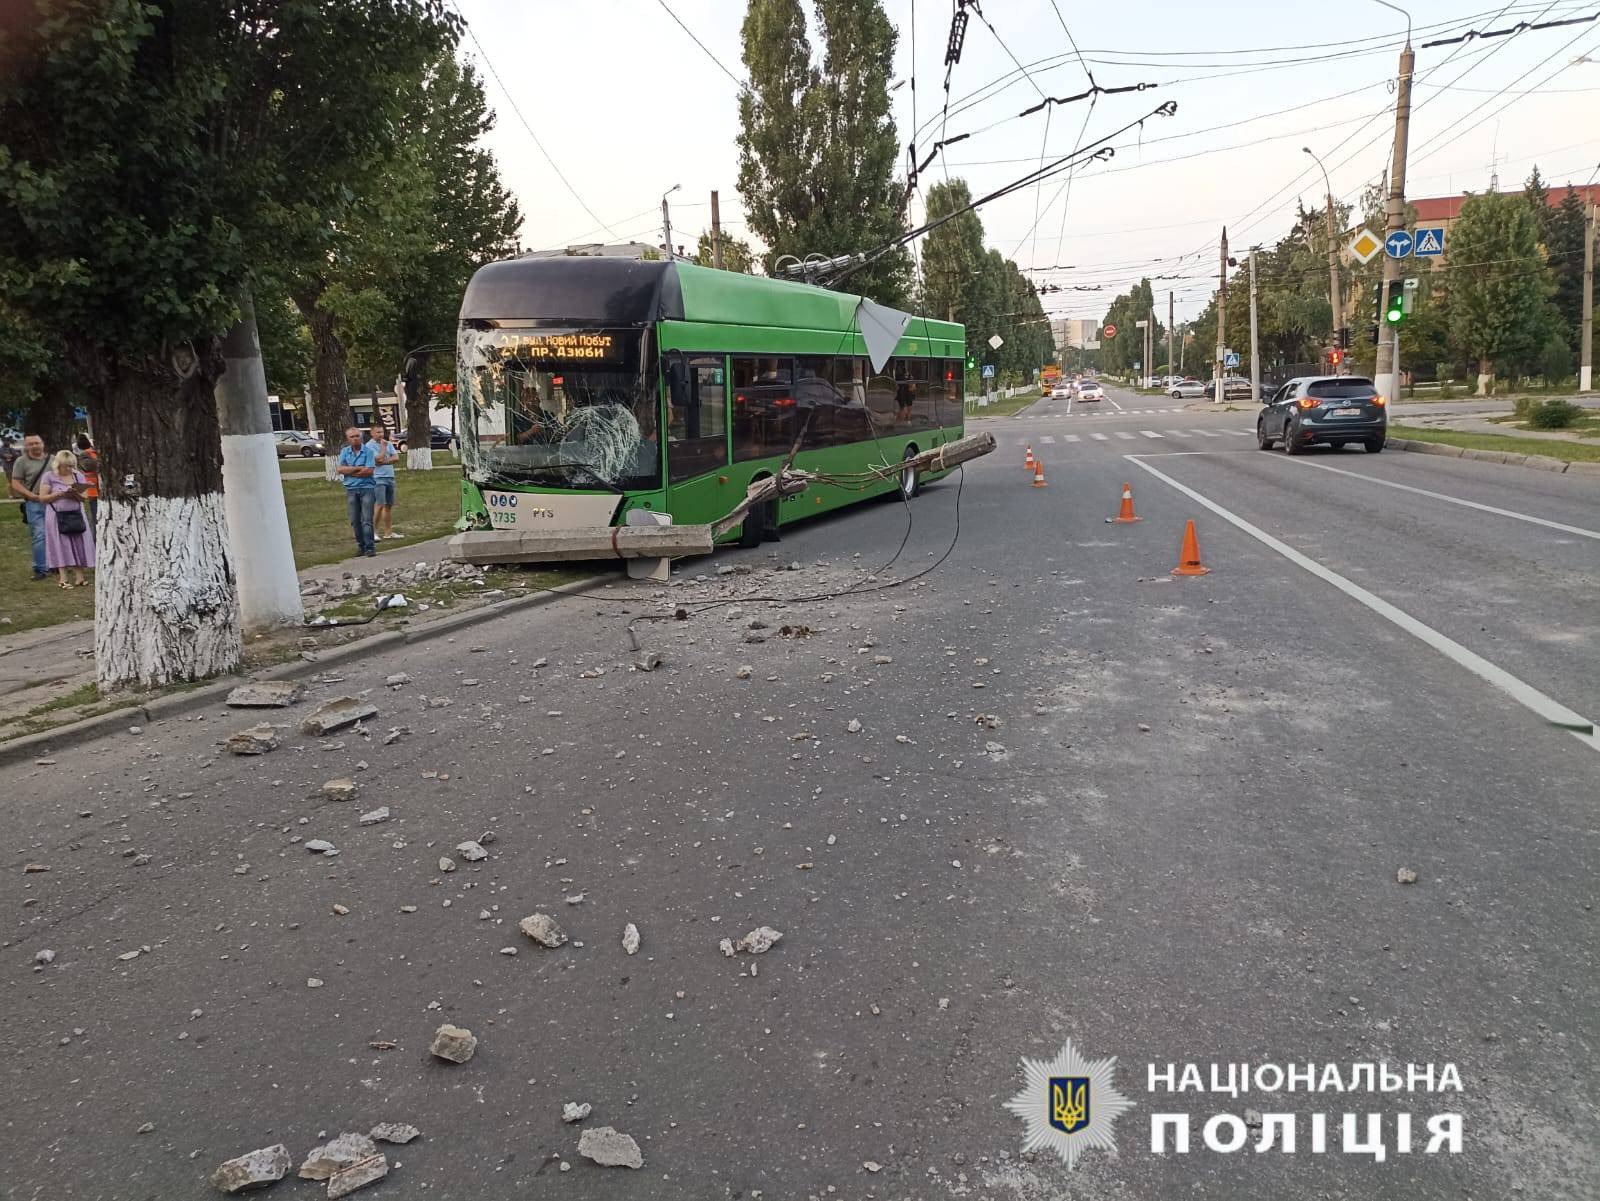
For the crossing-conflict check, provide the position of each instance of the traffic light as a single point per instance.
(1396, 312)
(1343, 338)
(972, 362)
(1336, 357)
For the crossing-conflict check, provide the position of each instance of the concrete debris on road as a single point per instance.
(395, 1132)
(542, 928)
(872, 1166)
(609, 1148)
(320, 846)
(446, 864)
(574, 1111)
(257, 740)
(49, 956)
(358, 1175)
(322, 1162)
(338, 713)
(266, 694)
(647, 661)
(744, 673)
(726, 947)
(630, 940)
(342, 789)
(1405, 876)
(454, 1043)
(373, 816)
(472, 852)
(759, 941)
(397, 679)
(854, 726)
(257, 1169)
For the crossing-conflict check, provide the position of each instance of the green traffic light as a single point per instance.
(1396, 311)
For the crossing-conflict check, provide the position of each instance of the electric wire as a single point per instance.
(739, 83)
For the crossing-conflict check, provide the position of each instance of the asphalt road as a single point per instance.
(1184, 849)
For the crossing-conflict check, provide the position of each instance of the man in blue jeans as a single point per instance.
(356, 465)
(26, 471)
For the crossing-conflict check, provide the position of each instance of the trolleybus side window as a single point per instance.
(697, 430)
(764, 408)
(850, 421)
(817, 401)
(950, 409)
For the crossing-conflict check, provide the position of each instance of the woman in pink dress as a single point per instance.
(68, 540)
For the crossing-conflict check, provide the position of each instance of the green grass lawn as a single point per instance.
(427, 504)
(27, 603)
(1007, 408)
(1571, 452)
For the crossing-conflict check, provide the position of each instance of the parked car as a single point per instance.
(1187, 389)
(1089, 390)
(439, 438)
(1330, 409)
(293, 443)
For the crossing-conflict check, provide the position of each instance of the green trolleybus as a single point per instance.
(593, 388)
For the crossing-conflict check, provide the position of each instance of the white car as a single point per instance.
(1089, 390)
(1187, 389)
(1060, 392)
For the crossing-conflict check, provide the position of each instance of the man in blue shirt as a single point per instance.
(357, 462)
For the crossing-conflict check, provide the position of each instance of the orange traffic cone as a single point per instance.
(1027, 463)
(1126, 513)
(1189, 557)
(1038, 474)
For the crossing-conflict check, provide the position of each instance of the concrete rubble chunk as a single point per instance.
(397, 679)
(647, 661)
(264, 694)
(373, 816)
(609, 1148)
(760, 940)
(395, 1132)
(455, 1043)
(573, 1111)
(320, 846)
(726, 947)
(257, 740)
(446, 864)
(322, 1162)
(472, 852)
(542, 928)
(630, 939)
(358, 1175)
(342, 789)
(1405, 876)
(259, 1168)
(338, 713)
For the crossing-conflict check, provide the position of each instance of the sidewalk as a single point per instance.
(54, 662)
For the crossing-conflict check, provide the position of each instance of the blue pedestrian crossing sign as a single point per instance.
(1231, 359)
(1430, 242)
(988, 371)
(1398, 244)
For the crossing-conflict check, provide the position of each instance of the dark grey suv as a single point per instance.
(1330, 409)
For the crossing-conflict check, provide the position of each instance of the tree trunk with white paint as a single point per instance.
(419, 422)
(1485, 377)
(166, 600)
(269, 588)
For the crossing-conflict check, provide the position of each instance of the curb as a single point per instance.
(1504, 457)
(176, 703)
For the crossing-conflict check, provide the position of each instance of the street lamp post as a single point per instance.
(1339, 338)
(666, 219)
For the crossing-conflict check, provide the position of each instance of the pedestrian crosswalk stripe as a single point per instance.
(1238, 433)
(1099, 437)
(1124, 435)
(1071, 438)
(1150, 433)
(1048, 439)
(1206, 433)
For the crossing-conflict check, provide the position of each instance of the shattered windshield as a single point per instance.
(569, 408)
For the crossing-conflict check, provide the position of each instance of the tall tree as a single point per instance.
(817, 143)
(151, 152)
(1499, 285)
(1564, 248)
(951, 254)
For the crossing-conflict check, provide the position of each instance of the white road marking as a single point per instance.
(1123, 434)
(1113, 403)
(1206, 433)
(1151, 434)
(1545, 707)
(1071, 438)
(1099, 437)
(1456, 500)
(1245, 434)
(1048, 439)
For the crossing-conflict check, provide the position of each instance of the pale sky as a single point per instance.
(627, 105)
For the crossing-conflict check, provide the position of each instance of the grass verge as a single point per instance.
(1007, 408)
(427, 504)
(1571, 452)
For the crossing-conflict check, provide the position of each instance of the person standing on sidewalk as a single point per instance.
(25, 475)
(383, 482)
(356, 465)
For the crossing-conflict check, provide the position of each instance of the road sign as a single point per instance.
(988, 371)
(1398, 244)
(1110, 331)
(996, 342)
(1365, 245)
(1430, 242)
(1231, 359)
